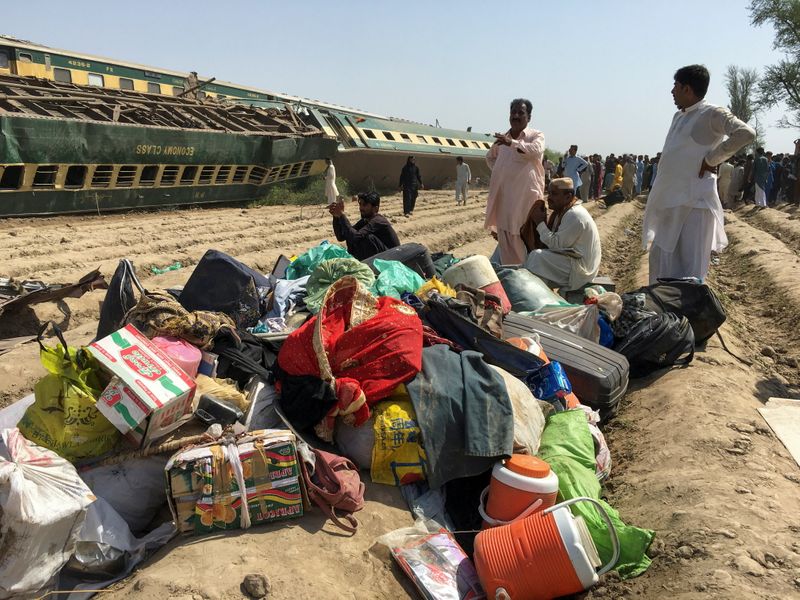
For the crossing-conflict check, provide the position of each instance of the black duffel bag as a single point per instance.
(656, 342)
(415, 256)
(687, 298)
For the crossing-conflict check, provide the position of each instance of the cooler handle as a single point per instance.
(528, 511)
(604, 515)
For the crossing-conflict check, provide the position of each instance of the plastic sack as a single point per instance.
(328, 273)
(394, 278)
(64, 417)
(44, 505)
(528, 415)
(578, 319)
(306, 263)
(526, 291)
(611, 303)
(568, 447)
(134, 488)
(397, 456)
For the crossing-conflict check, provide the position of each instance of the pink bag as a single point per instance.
(334, 484)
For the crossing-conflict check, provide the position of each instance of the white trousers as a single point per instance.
(461, 191)
(692, 254)
(555, 269)
(761, 196)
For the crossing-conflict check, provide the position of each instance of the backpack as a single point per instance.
(695, 301)
(333, 483)
(657, 341)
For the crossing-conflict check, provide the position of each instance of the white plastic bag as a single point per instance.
(579, 319)
(44, 505)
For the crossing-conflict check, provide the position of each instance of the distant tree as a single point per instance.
(780, 82)
(742, 86)
(552, 155)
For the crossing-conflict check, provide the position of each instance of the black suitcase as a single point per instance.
(599, 376)
(415, 256)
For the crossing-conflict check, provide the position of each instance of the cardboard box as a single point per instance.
(149, 395)
(204, 494)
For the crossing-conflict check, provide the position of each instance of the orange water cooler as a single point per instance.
(545, 555)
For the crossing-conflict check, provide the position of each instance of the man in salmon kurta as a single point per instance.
(517, 181)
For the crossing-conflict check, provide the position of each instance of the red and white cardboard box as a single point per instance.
(149, 395)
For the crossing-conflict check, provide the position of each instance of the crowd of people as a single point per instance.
(701, 170)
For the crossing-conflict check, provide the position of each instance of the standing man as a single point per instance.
(639, 174)
(586, 182)
(683, 219)
(331, 191)
(517, 181)
(463, 179)
(598, 177)
(760, 177)
(410, 183)
(574, 166)
(628, 178)
(737, 183)
(371, 235)
(724, 179)
(572, 257)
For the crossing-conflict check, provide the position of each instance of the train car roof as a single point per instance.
(25, 44)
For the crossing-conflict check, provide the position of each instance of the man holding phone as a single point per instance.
(371, 235)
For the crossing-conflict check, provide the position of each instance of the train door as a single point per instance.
(6, 64)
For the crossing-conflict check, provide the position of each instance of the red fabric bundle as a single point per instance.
(361, 345)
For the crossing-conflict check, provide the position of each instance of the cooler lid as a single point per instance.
(527, 465)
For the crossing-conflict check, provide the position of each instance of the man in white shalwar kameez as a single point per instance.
(517, 181)
(463, 178)
(331, 191)
(572, 257)
(683, 220)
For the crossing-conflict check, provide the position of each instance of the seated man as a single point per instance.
(372, 235)
(572, 257)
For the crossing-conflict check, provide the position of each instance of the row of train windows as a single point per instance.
(104, 176)
(419, 139)
(65, 76)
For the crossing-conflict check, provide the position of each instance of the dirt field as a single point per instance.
(692, 457)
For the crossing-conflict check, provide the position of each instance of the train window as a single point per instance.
(11, 177)
(3, 59)
(222, 175)
(125, 83)
(205, 175)
(62, 75)
(102, 176)
(421, 139)
(239, 174)
(369, 133)
(257, 175)
(148, 176)
(177, 91)
(405, 137)
(153, 88)
(295, 169)
(95, 79)
(170, 175)
(436, 140)
(221, 97)
(486, 145)
(25, 57)
(76, 176)
(189, 173)
(451, 142)
(45, 176)
(388, 135)
(463, 143)
(126, 175)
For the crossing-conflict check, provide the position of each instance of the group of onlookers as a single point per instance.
(763, 178)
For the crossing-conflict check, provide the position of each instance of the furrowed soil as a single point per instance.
(692, 457)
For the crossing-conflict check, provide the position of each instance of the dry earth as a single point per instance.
(693, 459)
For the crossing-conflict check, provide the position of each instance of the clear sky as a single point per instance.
(598, 73)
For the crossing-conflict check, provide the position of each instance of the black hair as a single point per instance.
(760, 150)
(370, 198)
(696, 77)
(525, 102)
(461, 158)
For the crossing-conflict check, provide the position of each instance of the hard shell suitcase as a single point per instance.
(415, 256)
(599, 376)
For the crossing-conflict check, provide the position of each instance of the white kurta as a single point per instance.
(724, 176)
(573, 255)
(331, 191)
(696, 134)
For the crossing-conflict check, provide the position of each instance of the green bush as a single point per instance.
(310, 190)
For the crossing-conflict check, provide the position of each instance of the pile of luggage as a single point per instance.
(245, 398)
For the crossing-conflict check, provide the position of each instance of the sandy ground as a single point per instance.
(692, 457)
